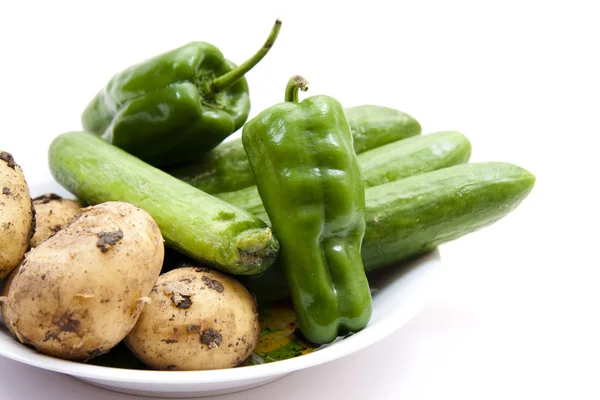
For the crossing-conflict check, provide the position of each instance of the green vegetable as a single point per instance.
(203, 227)
(309, 180)
(388, 163)
(373, 126)
(226, 167)
(176, 106)
(412, 216)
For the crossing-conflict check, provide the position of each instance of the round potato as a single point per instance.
(80, 292)
(17, 218)
(198, 319)
(52, 213)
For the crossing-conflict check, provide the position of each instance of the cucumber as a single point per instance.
(197, 224)
(373, 126)
(412, 216)
(414, 156)
(388, 163)
(226, 168)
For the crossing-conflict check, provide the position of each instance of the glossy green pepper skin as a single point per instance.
(310, 182)
(175, 107)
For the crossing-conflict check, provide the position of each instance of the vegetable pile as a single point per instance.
(192, 253)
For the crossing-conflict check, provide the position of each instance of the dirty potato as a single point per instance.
(198, 319)
(5, 285)
(16, 214)
(80, 292)
(52, 213)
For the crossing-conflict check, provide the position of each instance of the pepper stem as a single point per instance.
(228, 79)
(295, 83)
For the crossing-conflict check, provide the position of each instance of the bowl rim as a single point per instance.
(340, 349)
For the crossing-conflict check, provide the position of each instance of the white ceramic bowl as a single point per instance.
(399, 293)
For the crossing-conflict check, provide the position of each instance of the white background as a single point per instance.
(517, 315)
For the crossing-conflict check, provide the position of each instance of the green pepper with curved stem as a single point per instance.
(177, 106)
(310, 182)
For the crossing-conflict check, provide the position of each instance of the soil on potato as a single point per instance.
(46, 198)
(108, 239)
(8, 158)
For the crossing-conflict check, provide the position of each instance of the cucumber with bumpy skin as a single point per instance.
(388, 163)
(226, 168)
(412, 216)
(197, 224)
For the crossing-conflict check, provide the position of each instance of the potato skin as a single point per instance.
(198, 319)
(3, 297)
(52, 213)
(16, 214)
(80, 292)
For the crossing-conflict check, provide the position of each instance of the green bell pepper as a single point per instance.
(310, 182)
(177, 106)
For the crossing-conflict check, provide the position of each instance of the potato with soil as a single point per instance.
(198, 319)
(80, 292)
(52, 213)
(16, 214)
(3, 296)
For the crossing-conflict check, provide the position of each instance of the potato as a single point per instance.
(16, 215)
(80, 292)
(198, 319)
(52, 213)
(5, 285)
